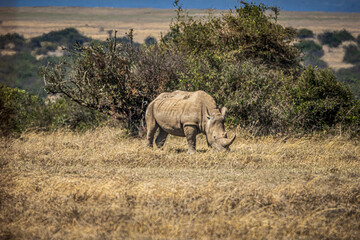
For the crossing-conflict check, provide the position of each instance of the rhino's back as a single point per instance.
(172, 111)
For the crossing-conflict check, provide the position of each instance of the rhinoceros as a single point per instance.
(187, 114)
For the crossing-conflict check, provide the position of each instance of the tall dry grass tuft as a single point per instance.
(102, 185)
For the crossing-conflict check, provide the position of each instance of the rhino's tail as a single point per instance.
(149, 114)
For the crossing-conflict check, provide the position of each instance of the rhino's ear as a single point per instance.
(223, 111)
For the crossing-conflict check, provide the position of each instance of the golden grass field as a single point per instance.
(103, 185)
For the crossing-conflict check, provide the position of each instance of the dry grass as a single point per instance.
(101, 185)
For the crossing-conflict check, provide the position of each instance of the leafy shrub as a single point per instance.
(352, 54)
(20, 111)
(21, 71)
(245, 33)
(255, 96)
(351, 78)
(319, 99)
(104, 78)
(335, 38)
(68, 114)
(310, 48)
(304, 33)
(344, 35)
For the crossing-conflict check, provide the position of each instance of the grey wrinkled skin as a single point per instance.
(187, 114)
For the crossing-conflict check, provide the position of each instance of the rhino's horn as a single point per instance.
(227, 142)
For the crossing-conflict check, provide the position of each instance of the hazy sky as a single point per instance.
(290, 5)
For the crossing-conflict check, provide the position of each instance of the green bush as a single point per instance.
(255, 96)
(20, 110)
(352, 54)
(310, 48)
(66, 114)
(21, 71)
(319, 99)
(104, 78)
(335, 38)
(351, 78)
(304, 33)
(246, 33)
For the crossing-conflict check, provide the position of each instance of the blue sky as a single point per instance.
(289, 5)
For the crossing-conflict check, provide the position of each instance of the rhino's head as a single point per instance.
(215, 131)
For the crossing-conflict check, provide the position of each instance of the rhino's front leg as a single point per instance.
(190, 134)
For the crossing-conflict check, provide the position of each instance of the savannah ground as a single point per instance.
(103, 185)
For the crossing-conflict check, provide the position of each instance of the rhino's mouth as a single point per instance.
(224, 143)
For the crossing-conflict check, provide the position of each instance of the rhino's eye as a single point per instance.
(214, 137)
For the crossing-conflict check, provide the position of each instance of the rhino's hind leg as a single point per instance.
(190, 134)
(161, 138)
(152, 126)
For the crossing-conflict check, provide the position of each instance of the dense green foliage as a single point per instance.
(66, 114)
(20, 111)
(310, 47)
(352, 54)
(351, 78)
(244, 33)
(304, 33)
(21, 70)
(319, 100)
(335, 38)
